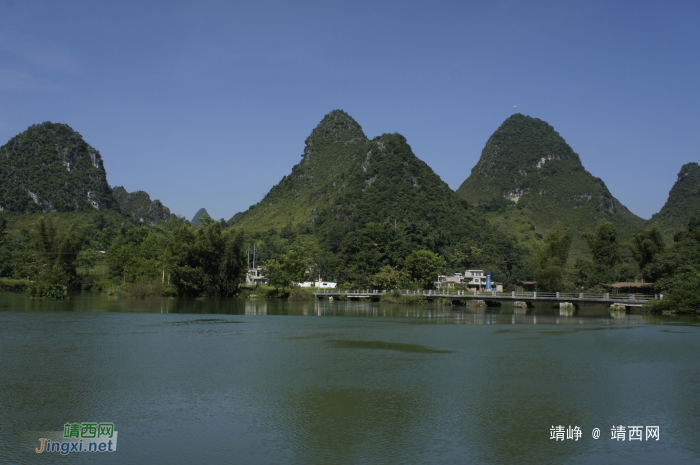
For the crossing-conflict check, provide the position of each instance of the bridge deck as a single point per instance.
(628, 300)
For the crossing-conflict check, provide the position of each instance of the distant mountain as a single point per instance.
(345, 181)
(200, 213)
(528, 178)
(50, 168)
(234, 219)
(138, 205)
(683, 201)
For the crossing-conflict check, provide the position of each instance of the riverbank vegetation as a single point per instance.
(301, 294)
(48, 255)
(676, 272)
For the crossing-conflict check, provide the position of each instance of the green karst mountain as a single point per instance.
(333, 150)
(528, 178)
(346, 181)
(200, 213)
(50, 168)
(138, 205)
(389, 183)
(683, 201)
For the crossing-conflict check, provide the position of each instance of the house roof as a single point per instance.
(623, 285)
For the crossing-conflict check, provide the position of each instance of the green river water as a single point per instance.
(255, 381)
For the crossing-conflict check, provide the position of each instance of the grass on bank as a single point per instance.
(13, 285)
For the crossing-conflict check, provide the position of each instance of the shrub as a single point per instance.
(299, 294)
(170, 291)
(50, 284)
(139, 289)
(682, 295)
(13, 285)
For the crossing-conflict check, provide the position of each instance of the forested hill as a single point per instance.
(332, 150)
(683, 201)
(346, 182)
(139, 206)
(528, 178)
(390, 184)
(50, 168)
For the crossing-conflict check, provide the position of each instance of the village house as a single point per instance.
(473, 280)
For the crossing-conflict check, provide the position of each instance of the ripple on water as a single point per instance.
(200, 321)
(382, 345)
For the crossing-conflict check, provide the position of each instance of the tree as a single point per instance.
(389, 278)
(424, 266)
(684, 253)
(87, 259)
(551, 257)
(605, 251)
(290, 268)
(138, 253)
(208, 260)
(277, 275)
(58, 247)
(680, 293)
(585, 273)
(5, 254)
(603, 245)
(646, 244)
(296, 263)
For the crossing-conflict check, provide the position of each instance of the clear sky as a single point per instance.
(208, 104)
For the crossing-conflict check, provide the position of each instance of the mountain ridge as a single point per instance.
(139, 206)
(528, 175)
(683, 201)
(50, 168)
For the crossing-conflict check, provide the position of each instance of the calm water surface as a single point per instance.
(265, 381)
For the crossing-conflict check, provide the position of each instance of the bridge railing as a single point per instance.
(512, 295)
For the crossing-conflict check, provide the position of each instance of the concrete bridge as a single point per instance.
(628, 300)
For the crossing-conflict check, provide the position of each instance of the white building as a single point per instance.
(254, 276)
(473, 280)
(321, 284)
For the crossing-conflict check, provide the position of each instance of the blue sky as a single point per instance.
(208, 104)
